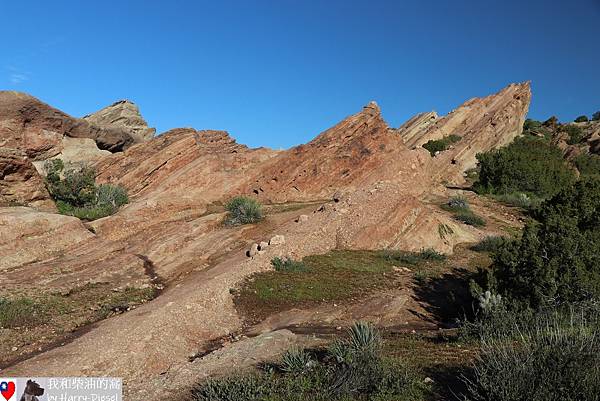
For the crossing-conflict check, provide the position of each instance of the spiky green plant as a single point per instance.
(296, 360)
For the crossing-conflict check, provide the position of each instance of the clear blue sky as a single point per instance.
(278, 72)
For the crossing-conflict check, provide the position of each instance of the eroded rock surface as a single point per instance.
(20, 183)
(126, 115)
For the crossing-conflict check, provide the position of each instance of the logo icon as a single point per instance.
(7, 389)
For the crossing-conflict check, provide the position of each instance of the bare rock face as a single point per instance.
(416, 126)
(20, 183)
(124, 115)
(28, 124)
(354, 153)
(482, 123)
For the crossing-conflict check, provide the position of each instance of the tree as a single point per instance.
(556, 261)
(528, 165)
(581, 119)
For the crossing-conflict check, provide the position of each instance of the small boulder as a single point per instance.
(302, 218)
(277, 240)
(263, 245)
(252, 251)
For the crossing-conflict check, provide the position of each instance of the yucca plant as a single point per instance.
(296, 360)
(364, 337)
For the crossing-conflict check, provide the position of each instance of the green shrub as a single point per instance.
(111, 195)
(243, 210)
(556, 261)
(413, 258)
(528, 165)
(576, 134)
(18, 312)
(581, 119)
(489, 244)
(288, 265)
(439, 145)
(596, 116)
(457, 203)
(518, 199)
(588, 164)
(431, 254)
(75, 192)
(469, 218)
(545, 358)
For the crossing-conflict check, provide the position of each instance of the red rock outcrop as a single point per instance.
(357, 152)
(20, 183)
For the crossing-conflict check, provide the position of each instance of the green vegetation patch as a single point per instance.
(546, 356)
(528, 165)
(588, 164)
(489, 244)
(352, 368)
(439, 145)
(288, 265)
(461, 211)
(556, 261)
(335, 276)
(243, 210)
(76, 194)
(575, 133)
(20, 312)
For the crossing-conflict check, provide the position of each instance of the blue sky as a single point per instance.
(276, 73)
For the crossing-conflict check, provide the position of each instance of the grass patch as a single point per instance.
(542, 357)
(288, 265)
(469, 218)
(518, 199)
(19, 312)
(122, 301)
(335, 276)
(461, 210)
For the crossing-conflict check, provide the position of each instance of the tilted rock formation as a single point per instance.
(381, 180)
(357, 152)
(38, 132)
(37, 128)
(20, 183)
(482, 123)
(416, 126)
(125, 115)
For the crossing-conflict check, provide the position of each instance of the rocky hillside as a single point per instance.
(358, 185)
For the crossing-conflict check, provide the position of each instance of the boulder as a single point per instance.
(252, 251)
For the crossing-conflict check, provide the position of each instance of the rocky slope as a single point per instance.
(375, 187)
(123, 114)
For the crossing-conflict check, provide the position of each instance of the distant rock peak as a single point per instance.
(126, 115)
